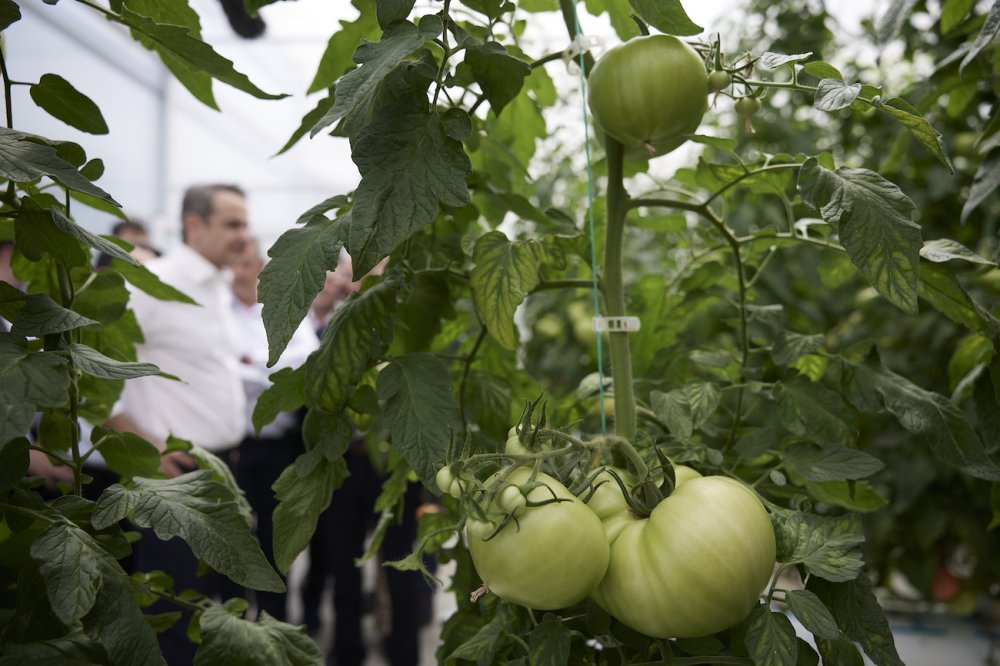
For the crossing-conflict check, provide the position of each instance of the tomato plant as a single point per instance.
(649, 92)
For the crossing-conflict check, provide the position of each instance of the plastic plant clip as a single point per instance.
(616, 324)
(581, 44)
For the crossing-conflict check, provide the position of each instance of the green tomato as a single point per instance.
(747, 106)
(479, 529)
(511, 500)
(551, 557)
(514, 447)
(648, 93)
(694, 567)
(448, 483)
(719, 80)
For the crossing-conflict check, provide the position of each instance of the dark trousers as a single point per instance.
(260, 463)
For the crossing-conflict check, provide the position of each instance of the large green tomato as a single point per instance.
(694, 567)
(649, 92)
(552, 557)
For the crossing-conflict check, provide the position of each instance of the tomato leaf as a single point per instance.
(127, 454)
(941, 250)
(813, 615)
(859, 615)
(376, 61)
(986, 180)
(62, 101)
(205, 514)
(940, 288)
(822, 70)
(300, 259)
(907, 116)
(145, 280)
(23, 160)
(410, 164)
(666, 16)
(943, 426)
(873, 218)
(309, 121)
(182, 51)
(482, 646)
(336, 57)
(828, 547)
(759, 441)
(995, 503)
(357, 335)
(419, 410)
(36, 315)
(769, 61)
(9, 13)
(285, 394)
(770, 638)
(841, 652)
(301, 500)
(834, 94)
(505, 272)
(266, 641)
(392, 10)
(851, 495)
(672, 408)
(28, 381)
(811, 410)
(96, 364)
(14, 461)
(831, 463)
(549, 644)
(500, 75)
(789, 346)
(989, 30)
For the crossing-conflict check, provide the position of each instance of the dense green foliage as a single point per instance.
(816, 291)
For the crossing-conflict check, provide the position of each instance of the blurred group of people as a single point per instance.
(219, 351)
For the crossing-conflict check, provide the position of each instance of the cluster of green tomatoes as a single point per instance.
(693, 566)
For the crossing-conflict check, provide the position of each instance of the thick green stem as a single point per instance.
(614, 291)
(68, 294)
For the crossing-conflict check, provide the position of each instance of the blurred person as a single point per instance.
(132, 231)
(263, 457)
(197, 344)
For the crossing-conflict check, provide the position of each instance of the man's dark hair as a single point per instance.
(198, 199)
(131, 224)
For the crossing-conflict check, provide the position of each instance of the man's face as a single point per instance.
(222, 236)
(247, 266)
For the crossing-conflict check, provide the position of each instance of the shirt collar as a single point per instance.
(201, 269)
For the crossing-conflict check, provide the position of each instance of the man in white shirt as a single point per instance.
(263, 458)
(197, 344)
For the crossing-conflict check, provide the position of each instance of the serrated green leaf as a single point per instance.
(504, 274)
(336, 57)
(179, 43)
(376, 61)
(759, 441)
(96, 364)
(771, 61)
(114, 504)
(73, 649)
(891, 21)
(62, 101)
(309, 121)
(392, 10)
(23, 161)
(549, 644)
(228, 639)
(940, 288)
(147, 281)
(971, 351)
(986, 35)
(813, 615)
(828, 548)
(409, 167)
(672, 408)
(285, 394)
(71, 562)
(422, 313)
(822, 70)
(28, 381)
(482, 646)
(942, 425)
(36, 315)
(831, 463)
(789, 347)
(127, 454)
(946, 249)
(813, 411)
(500, 75)
(770, 638)
(300, 502)
(14, 461)
(907, 116)
(840, 652)
(206, 515)
(986, 180)
(50, 229)
(834, 94)
(667, 16)
(859, 615)
(812, 366)
(851, 495)
(300, 259)
(703, 399)
(420, 411)
(873, 220)
(325, 436)
(357, 335)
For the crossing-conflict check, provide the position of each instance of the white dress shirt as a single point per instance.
(196, 344)
(252, 347)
